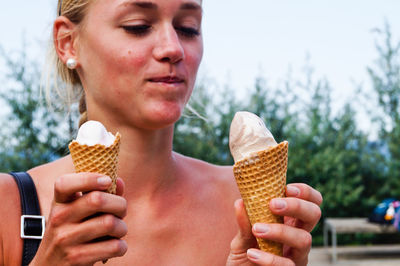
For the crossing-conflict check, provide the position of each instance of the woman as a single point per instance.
(137, 61)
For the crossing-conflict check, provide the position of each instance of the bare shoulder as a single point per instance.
(10, 196)
(6, 180)
(10, 207)
(9, 228)
(44, 177)
(219, 177)
(53, 169)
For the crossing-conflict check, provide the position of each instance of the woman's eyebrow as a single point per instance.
(141, 4)
(190, 6)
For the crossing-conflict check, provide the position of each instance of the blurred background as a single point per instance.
(324, 75)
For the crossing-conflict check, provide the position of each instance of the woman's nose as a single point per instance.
(168, 47)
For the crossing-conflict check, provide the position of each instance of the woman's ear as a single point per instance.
(64, 36)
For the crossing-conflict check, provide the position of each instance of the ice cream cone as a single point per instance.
(97, 159)
(260, 178)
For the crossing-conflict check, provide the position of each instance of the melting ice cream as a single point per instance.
(248, 134)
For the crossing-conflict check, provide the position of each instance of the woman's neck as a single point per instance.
(146, 161)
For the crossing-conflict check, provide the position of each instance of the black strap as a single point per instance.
(29, 206)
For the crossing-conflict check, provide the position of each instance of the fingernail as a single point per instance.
(292, 191)
(253, 254)
(104, 181)
(261, 228)
(279, 204)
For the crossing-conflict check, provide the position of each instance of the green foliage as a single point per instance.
(32, 134)
(385, 77)
(203, 130)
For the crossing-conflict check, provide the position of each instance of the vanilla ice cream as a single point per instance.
(92, 133)
(96, 150)
(248, 135)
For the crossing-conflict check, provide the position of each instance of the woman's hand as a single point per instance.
(301, 213)
(85, 223)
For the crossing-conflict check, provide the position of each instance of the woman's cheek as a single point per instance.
(194, 56)
(125, 60)
(137, 57)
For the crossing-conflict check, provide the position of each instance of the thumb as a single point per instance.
(120, 186)
(244, 238)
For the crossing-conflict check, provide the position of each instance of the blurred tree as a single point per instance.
(272, 105)
(32, 135)
(203, 130)
(325, 149)
(385, 77)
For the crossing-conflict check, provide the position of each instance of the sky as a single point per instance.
(244, 39)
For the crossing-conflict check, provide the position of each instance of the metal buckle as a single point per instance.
(32, 217)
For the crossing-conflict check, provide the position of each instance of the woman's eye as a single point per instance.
(188, 32)
(137, 30)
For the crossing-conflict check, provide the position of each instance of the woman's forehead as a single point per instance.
(149, 2)
(118, 7)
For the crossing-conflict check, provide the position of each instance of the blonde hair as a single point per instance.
(71, 86)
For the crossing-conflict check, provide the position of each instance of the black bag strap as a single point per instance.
(32, 223)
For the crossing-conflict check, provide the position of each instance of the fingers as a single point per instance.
(297, 242)
(301, 211)
(244, 239)
(85, 222)
(306, 211)
(99, 202)
(120, 187)
(95, 228)
(67, 186)
(88, 205)
(243, 246)
(242, 220)
(264, 258)
(304, 192)
(73, 206)
(296, 238)
(94, 252)
(301, 206)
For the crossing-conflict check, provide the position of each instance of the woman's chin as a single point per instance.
(163, 116)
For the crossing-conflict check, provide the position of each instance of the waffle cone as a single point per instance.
(261, 178)
(97, 159)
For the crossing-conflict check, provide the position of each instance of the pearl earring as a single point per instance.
(71, 63)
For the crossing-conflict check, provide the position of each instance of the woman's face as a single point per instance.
(139, 59)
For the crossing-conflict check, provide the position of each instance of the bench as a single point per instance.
(351, 225)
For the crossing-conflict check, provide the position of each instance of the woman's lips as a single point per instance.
(167, 79)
